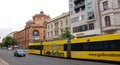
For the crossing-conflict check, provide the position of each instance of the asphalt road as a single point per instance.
(42, 60)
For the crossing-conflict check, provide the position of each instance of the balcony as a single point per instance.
(111, 28)
(78, 1)
(80, 5)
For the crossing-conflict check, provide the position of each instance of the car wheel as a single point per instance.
(24, 55)
(14, 54)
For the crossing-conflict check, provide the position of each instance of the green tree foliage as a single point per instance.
(66, 33)
(2, 45)
(9, 41)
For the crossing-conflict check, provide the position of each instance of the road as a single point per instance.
(8, 57)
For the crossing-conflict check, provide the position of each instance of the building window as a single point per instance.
(90, 15)
(48, 34)
(107, 21)
(72, 20)
(91, 26)
(81, 17)
(71, 12)
(80, 28)
(75, 29)
(56, 25)
(51, 26)
(56, 32)
(51, 33)
(89, 5)
(105, 5)
(66, 21)
(36, 35)
(76, 19)
(84, 28)
(71, 6)
(61, 23)
(119, 3)
(61, 31)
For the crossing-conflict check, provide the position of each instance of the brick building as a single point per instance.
(33, 31)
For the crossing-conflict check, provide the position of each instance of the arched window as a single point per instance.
(107, 21)
(36, 35)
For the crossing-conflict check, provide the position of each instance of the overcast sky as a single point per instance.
(15, 13)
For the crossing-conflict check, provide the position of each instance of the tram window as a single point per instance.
(98, 46)
(113, 45)
(37, 47)
(117, 45)
(29, 47)
(34, 47)
(110, 45)
(91, 46)
(41, 47)
(77, 47)
(102, 46)
(65, 47)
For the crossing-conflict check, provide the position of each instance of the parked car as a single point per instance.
(10, 48)
(20, 53)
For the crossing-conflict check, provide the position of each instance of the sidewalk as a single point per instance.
(2, 62)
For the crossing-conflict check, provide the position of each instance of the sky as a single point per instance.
(15, 13)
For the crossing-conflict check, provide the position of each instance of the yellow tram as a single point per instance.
(34, 48)
(54, 48)
(105, 47)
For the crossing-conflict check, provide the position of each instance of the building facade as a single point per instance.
(110, 16)
(33, 31)
(84, 17)
(56, 26)
(20, 38)
(94, 17)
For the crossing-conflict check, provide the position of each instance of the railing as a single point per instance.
(80, 5)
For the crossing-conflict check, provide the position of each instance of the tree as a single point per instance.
(9, 41)
(66, 33)
(0, 44)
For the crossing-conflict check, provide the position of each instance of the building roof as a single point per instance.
(60, 16)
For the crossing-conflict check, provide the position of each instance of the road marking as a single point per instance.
(3, 62)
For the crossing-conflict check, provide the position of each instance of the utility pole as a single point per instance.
(68, 48)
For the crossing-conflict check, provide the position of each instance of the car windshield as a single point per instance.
(20, 51)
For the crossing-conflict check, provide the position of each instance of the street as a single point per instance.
(8, 57)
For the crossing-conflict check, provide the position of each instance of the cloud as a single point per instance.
(15, 13)
(4, 32)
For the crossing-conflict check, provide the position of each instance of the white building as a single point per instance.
(56, 26)
(94, 17)
(84, 17)
(110, 15)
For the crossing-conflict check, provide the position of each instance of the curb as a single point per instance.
(2, 62)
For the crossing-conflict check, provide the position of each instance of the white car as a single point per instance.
(9, 48)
